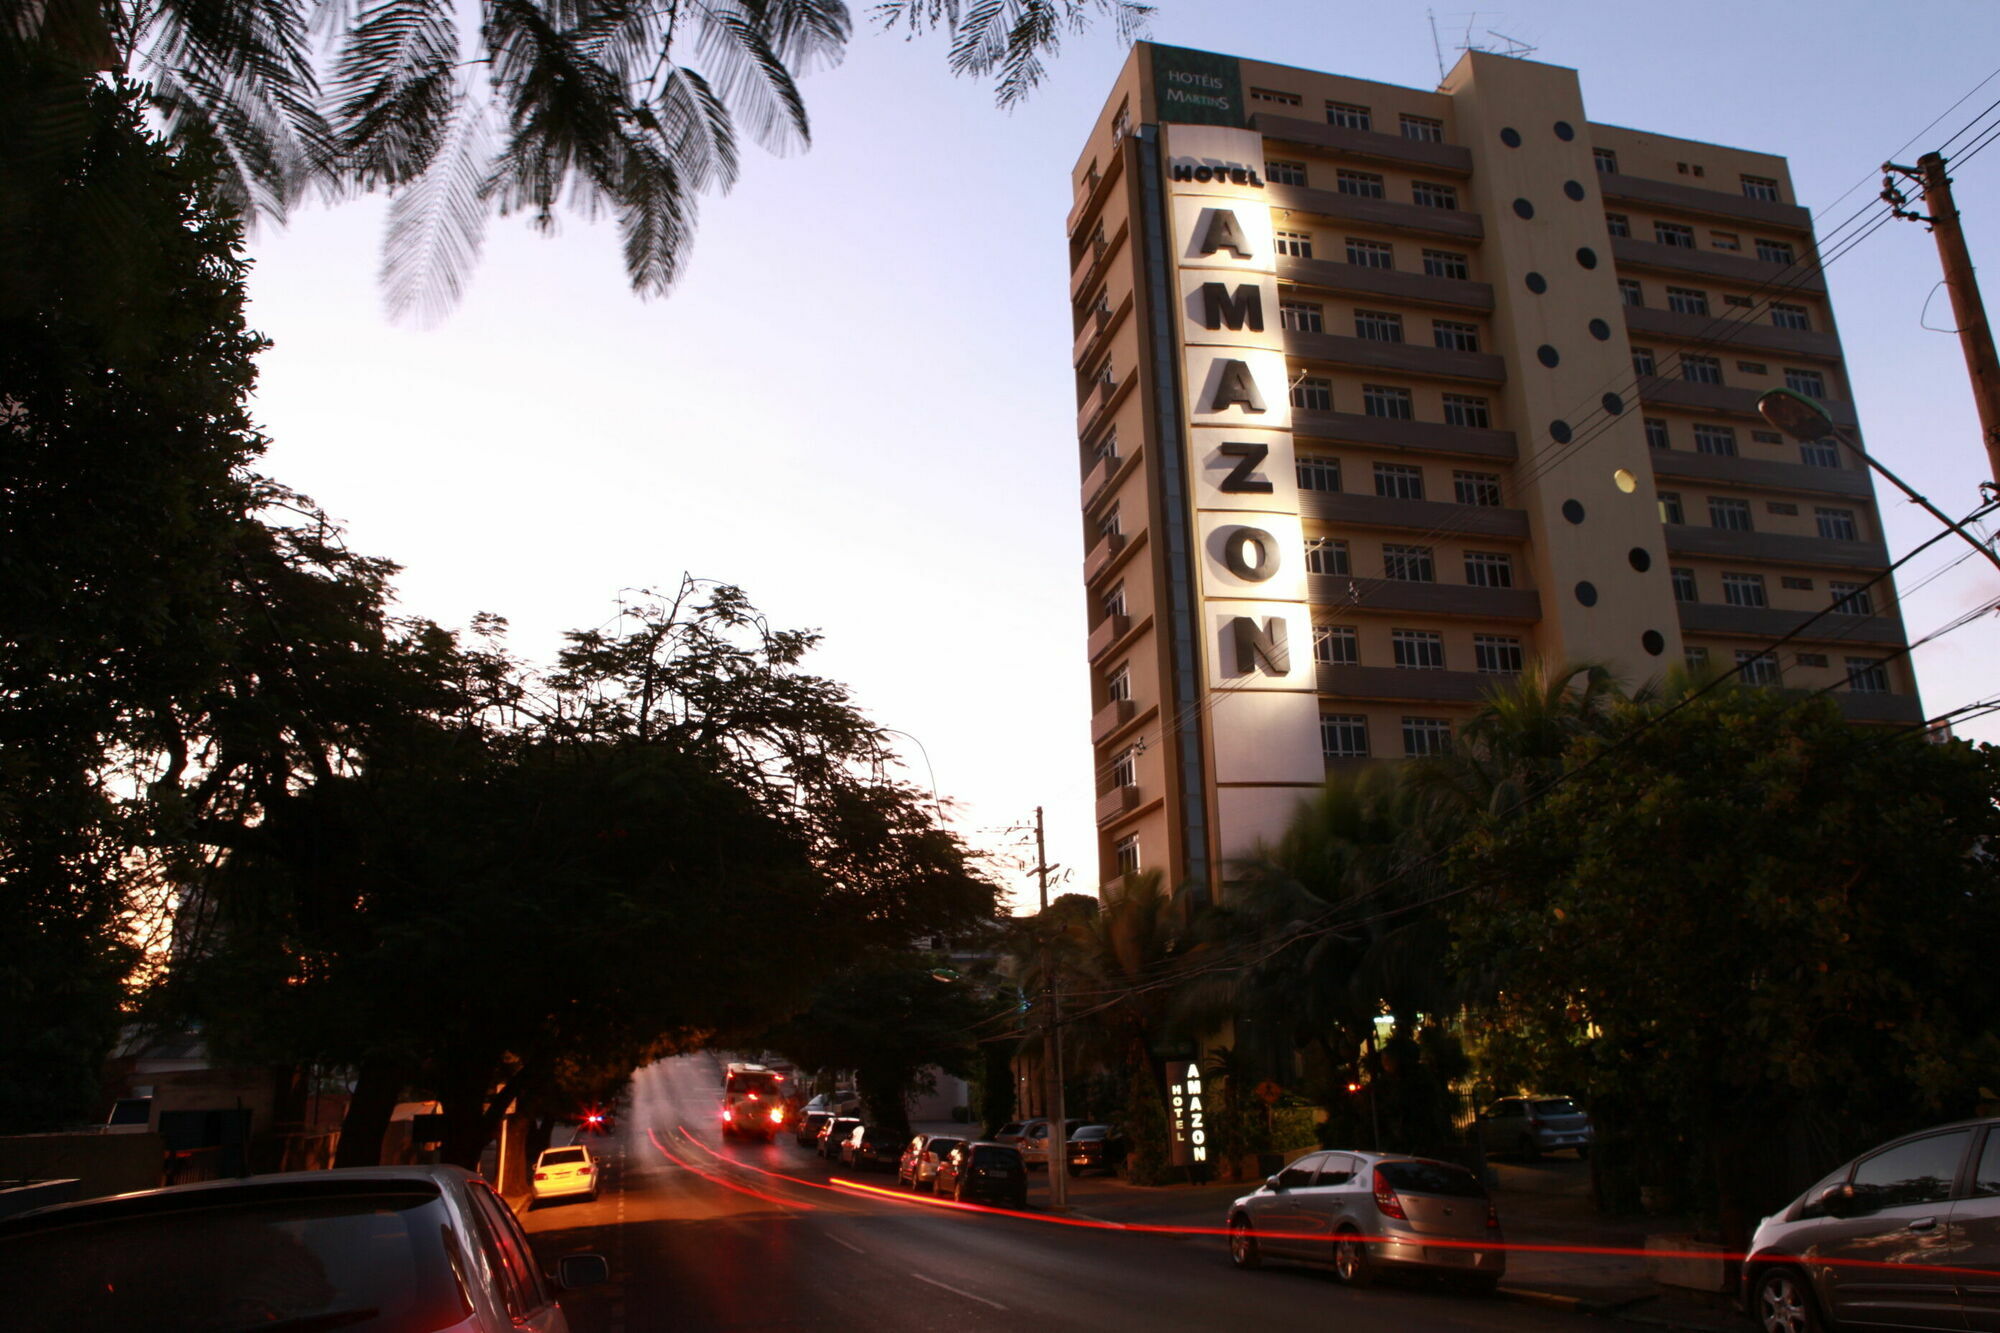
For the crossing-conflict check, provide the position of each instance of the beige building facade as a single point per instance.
(1385, 392)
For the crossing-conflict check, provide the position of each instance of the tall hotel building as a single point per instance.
(1386, 391)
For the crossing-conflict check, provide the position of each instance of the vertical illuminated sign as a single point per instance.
(1188, 1113)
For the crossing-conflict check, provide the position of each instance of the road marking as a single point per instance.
(848, 1243)
(957, 1291)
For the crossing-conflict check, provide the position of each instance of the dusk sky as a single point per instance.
(858, 406)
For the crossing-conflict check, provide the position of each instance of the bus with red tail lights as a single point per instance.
(753, 1102)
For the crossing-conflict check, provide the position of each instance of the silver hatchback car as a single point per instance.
(1366, 1212)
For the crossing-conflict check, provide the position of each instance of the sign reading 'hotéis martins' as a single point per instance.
(1197, 87)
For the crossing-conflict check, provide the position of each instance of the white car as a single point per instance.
(560, 1172)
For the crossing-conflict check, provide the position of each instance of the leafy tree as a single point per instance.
(1744, 918)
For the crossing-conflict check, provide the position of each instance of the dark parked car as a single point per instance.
(390, 1248)
(1096, 1148)
(835, 1133)
(1906, 1236)
(1532, 1126)
(984, 1173)
(919, 1163)
(810, 1124)
(872, 1148)
(1034, 1140)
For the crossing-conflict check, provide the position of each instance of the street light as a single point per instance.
(1803, 419)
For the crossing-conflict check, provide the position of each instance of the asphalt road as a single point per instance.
(702, 1237)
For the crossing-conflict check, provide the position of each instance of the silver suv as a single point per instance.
(1534, 1125)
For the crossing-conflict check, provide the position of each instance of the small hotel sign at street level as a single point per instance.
(1190, 1118)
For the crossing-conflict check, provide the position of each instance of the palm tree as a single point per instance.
(632, 108)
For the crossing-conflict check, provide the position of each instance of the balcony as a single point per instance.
(1389, 284)
(1092, 202)
(1095, 259)
(1448, 159)
(1431, 687)
(1764, 474)
(1804, 276)
(1781, 548)
(1103, 470)
(1425, 437)
(1377, 511)
(1676, 198)
(1395, 358)
(1724, 328)
(1107, 632)
(1446, 223)
(1437, 599)
(1723, 398)
(1118, 801)
(1099, 400)
(1902, 708)
(1768, 623)
(1103, 555)
(1097, 326)
(1109, 718)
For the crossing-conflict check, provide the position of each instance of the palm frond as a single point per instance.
(655, 217)
(746, 69)
(437, 222)
(394, 89)
(697, 133)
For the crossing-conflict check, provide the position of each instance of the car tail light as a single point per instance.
(541, 1175)
(728, 1114)
(586, 1170)
(1492, 1218)
(1386, 1201)
(777, 1115)
(753, 1096)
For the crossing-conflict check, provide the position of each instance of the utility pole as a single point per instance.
(1974, 334)
(1052, 1062)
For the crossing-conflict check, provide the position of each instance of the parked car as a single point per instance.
(1096, 1148)
(403, 1247)
(1906, 1235)
(561, 1172)
(843, 1101)
(1009, 1133)
(1034, 1144)
(872, 1148)
(809, 1126)
(835, 1134)
(984, 1171)
(1532, 1126)
(1364, 1213)
(919, 1163)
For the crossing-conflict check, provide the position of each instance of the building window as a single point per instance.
(1114, 601)
(1767, 437)
(1121, 124)
(1757, 668)
(1476, 488)
(1119, 687)
(1399, 481)
(1099, 242)
(1810, 659)
(1362, 184)
(1423, 129)
(1125, 769)
(1336, 645)
(1489, 569)
(1451, 336)
(1796, 584)
(1318, 473)
(1808, 382)
(1701, 369)
(1752, 367)
(1790, 316)
(1349, 115)
(1281, 172)
(1429, 194)
(1656, 434)
(1760, 187)
(1725, 240)
(1784, 507)
(1326, 555)
(1378, 326)
(1302, 316)
(1853, 599)
(1819, 453)
(1670, 507)
(1107, 378)
(1446, 264)
(1643, 363)
(1739, 302)
(1408, 564)
(1496, 655)
(1684, 586)
(1867, 675)
(1370, 254)
(1126, 850)
(1687, 300)
(1312, 393)
(1424, 737)
(1729, 515)
(1696, 658)
(1717, 440)
(1417, 649)
(1381, 400)
(1631, 292)
(1618, 224)
(1108, 525)
(1273, 96)
(1675, 234)
(1743, 590)
(1107, 448)
(1297, 244)
(1343, 735)
(1837, 525)
(1464, 410)
(1775, 252)
(1607, 161)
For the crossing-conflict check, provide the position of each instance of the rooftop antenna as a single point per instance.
(1515, 47)
(1437, 47)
